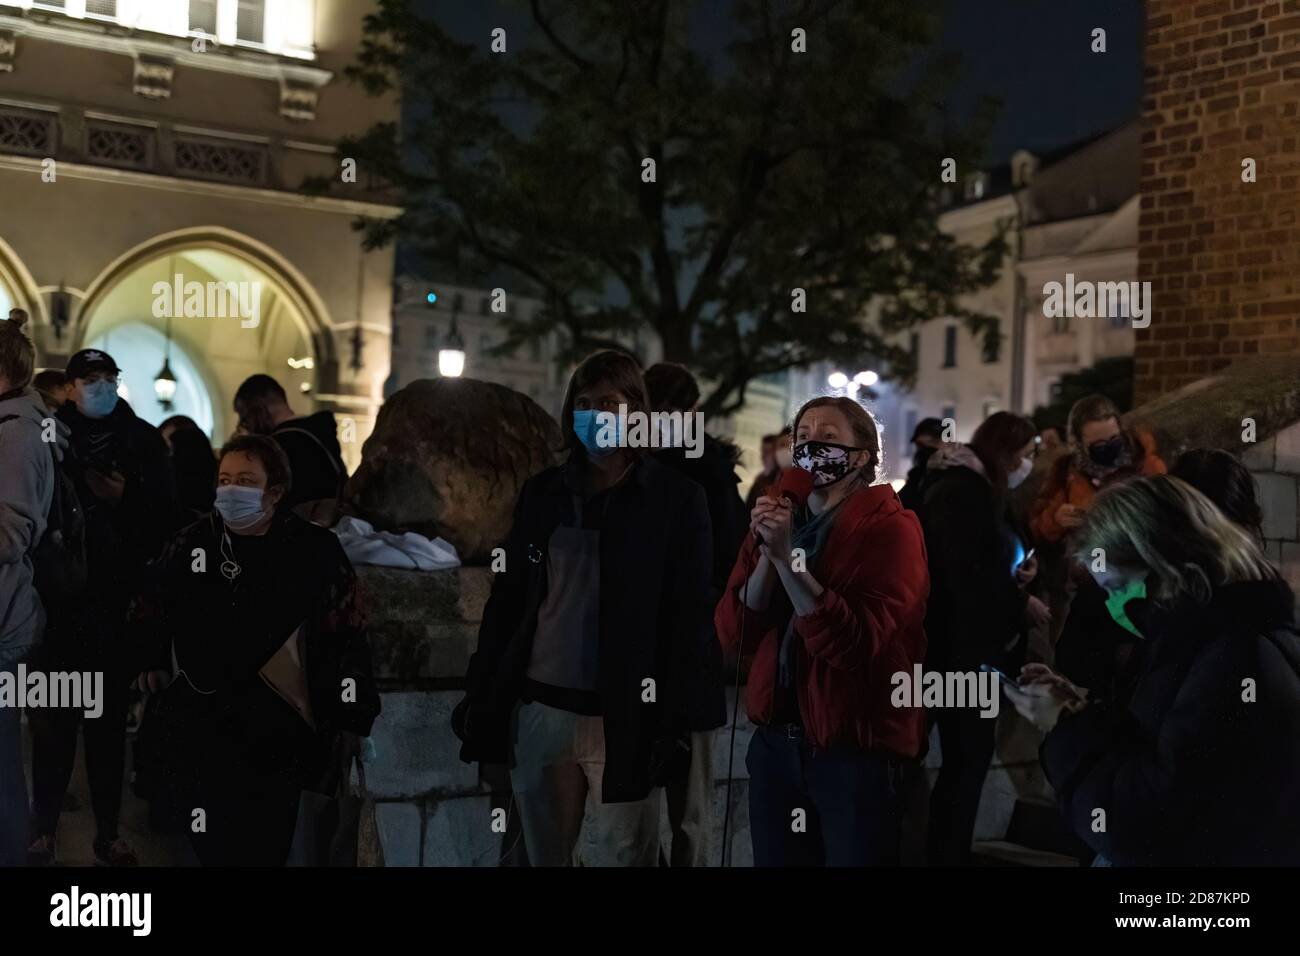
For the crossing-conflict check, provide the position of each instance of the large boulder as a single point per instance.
(447, 459)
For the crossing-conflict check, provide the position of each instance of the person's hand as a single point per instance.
(1040, 703)
(1037, 613)
(1069, 517)
(775, 528)
(1039, 673)
(763, 505)
(1027, 571)
(106, 487)
(151, 682)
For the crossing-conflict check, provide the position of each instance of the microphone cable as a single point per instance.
(735, 714)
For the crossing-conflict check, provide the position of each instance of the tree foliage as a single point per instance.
(775, 170)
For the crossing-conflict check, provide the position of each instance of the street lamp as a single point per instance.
(164, 383)
(451, 357)
(864, 379)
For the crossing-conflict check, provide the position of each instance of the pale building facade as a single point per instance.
(149, 146)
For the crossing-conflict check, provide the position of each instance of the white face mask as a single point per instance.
(1016, 478)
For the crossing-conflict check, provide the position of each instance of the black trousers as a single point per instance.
(54, 751)
(850, 800)
(967, 741)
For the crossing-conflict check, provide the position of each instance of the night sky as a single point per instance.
(1032, 55)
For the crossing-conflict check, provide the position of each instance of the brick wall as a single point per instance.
(1222, 84)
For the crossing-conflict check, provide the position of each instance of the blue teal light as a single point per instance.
(431, 298)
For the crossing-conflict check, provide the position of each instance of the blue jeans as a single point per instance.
(14, 811)
(849, 800)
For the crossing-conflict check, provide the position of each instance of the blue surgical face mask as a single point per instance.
(97, 399)
(600, 441)
(241, 508)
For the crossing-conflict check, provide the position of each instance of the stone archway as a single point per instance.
(232, 308)
(17, 287)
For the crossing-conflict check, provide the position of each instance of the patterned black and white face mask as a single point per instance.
(826, 461)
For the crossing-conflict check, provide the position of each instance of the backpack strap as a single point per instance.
(338, 469)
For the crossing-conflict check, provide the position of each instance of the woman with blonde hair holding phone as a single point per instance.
(1200, 765)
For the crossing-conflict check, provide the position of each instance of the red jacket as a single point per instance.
(868, 625)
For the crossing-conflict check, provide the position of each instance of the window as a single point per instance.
(203, 17)
(991, 347)
(976, 185)
(250, 22)
(950, 346)
(101, 8)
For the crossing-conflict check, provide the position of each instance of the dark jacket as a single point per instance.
(910, 493)
(655, 558)
(715, 472)
(121, 537)
(1189, 772)
(976, 607)
(224, 633)
(311, 444)
(866, 627)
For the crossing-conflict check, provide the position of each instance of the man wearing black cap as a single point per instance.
(927, 439)
(123, 477)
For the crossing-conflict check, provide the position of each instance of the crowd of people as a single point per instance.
(1166, 677)
(187, 580)
(1129, 609)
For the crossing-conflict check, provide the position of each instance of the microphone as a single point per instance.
(795, 486)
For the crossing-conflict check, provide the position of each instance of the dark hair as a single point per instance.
(49, 378)
(928, 428)
(618, 370)
(1000, 436)
(1222, 478)
(180, 423)
(265, 450)
(17, 353)
(770, 439)
(671, 388)
(258, 390)
(1090, 408)
(860, 420)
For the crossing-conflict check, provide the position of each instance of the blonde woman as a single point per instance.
(1202, 765)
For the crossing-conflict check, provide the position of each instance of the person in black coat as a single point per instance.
(592, 659)
(1198, 766)
(711, 464)
(126, 490)
(311, 443)
(258, 663)
(978, 608)
(927, 438)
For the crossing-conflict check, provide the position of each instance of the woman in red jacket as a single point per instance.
(831, 604)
